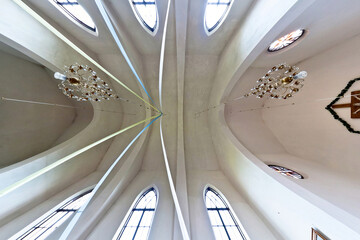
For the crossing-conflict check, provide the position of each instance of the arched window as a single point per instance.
(73, 10)
(51, 222)
(222, 219)
(215, 14)
(138, 221)
(147, 14)
(286, 171)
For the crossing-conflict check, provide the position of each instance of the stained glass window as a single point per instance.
(146, 12)
(51, 222)
(286, 40)
(222, 219)
(75, 11)
(138, 223)
(215, 13)
(286, 171)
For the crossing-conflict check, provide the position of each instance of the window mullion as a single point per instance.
(49, 227)
(223, 224)
(137, 228)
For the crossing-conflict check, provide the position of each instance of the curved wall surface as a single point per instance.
(210, 138)
(247, 136)
(29, 128)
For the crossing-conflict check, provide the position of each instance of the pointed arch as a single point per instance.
(77, 13)
(146, 13)
(52, 220)
(224, 223)
(138, 221)
(215, 13)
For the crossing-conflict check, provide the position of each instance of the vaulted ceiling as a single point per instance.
(204, 74)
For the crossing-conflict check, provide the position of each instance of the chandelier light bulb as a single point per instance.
(82, 83)
(59, 76)
(301, 75)
(280, 82)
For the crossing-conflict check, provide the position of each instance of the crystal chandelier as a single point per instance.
(281, 82)
(81, 83)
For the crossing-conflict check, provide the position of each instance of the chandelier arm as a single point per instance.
(40, 172)
(42, 21)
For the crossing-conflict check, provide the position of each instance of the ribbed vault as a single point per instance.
(210, 138)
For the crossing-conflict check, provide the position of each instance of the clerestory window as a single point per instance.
(286, 40)
(286, 171)
(52, 221)
(73, 10)
(215, 13)
(223, 221)
(147, 14)
(138, 222)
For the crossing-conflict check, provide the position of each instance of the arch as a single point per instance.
(52, 220)
(137, 222)
(223, 221)
(215, 13)
(146, 13)
(75, 12)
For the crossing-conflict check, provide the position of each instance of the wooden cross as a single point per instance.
(354, 104)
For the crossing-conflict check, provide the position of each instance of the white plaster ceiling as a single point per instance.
(329, 53)
(200, 68)
(93, 44)
(328, 22)
(325, 21)
(21, 121)
(198, 42)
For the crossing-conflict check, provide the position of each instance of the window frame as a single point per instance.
(228, 208)
(142, 22)
(74, 19)
(220, 21)
(286, 170)
(126, 219)
(294, 42)
(52, 212)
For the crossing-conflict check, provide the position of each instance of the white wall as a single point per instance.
(315, 134)
(26, 128)
(276, 198)
(108, 226)
(22, 31)
(263, 200)
(304, 136)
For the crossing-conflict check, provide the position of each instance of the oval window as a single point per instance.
(286, 171)
(286, 40)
